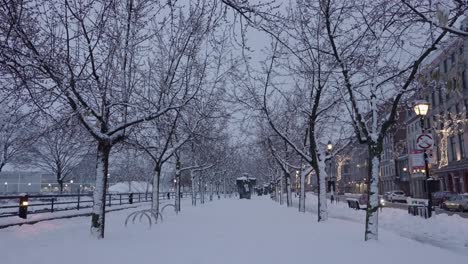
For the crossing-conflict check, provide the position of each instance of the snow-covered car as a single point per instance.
(386, 194)
(396, 196)
(439, 197)
(457, 202)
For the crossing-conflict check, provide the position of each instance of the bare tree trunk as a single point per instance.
(194, 190)
(281, 190)
(211, 191)
(156, 179)
(201, 189)
(99, 196)
(60, 182)
(224, 188)
(288, 190)
(322, 192)
(302, 195)
(372, 212)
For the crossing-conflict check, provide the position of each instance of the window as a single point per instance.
(441, 123)
(440, 96)
(433, 98)
(466, 107)
(461, 141)
(449, 88)
(452, 148)
(438, 156)
(464, 80)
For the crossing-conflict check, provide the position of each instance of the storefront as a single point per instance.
(454, 178)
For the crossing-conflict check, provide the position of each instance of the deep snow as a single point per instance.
(220, 232)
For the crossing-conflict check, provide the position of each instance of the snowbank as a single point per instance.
(442, 230)
(134, 186)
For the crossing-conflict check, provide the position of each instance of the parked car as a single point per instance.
(386, 195)
(396, 196)
(456, 202)
(439, 197)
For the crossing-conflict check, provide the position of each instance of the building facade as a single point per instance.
(444, 79)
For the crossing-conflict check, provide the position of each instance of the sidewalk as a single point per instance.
(442, 230)
(226, 231)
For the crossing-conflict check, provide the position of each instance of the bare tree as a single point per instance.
(115, 64)
(15, 137)
(59, 150)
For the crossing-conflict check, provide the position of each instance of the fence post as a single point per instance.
(139, 197)
(110, 199)
(78, 204)
(52, 205)
(120, 198)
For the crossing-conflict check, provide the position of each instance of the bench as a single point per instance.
(417, 207)
(354, 204)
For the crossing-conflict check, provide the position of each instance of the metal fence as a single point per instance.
(10, 205)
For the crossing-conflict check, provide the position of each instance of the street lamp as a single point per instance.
(329, 146)
(331, 182)
(421, 107)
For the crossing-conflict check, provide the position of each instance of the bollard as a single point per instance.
(130, 198)
(23, 207)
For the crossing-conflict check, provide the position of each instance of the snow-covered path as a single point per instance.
(223, 231)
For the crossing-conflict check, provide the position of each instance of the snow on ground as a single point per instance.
(442, 230)
(223, 231)
(133, 186)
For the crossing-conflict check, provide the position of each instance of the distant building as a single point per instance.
(394, 159)
(354, 168)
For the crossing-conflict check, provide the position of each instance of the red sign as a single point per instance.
(425, 141)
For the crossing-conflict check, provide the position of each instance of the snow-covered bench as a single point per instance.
(354, 204)
(417, 207)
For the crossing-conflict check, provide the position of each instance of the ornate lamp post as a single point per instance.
(331, 181)
(177, 186)
(421, 107)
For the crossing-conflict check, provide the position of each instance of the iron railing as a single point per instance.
(42, 203)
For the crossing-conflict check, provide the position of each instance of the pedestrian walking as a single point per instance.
(168, 195)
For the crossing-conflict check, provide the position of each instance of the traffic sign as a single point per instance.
(424, 141)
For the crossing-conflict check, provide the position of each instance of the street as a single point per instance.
(404, 206)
